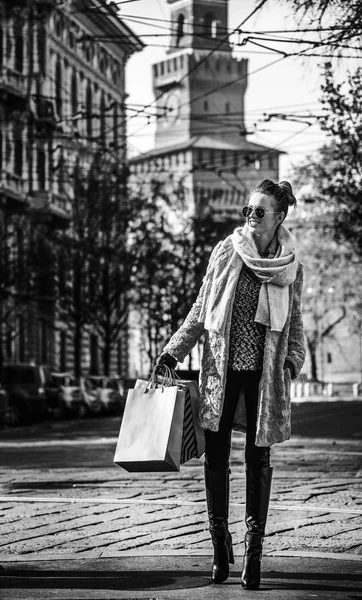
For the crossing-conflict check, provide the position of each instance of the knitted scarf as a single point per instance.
(275, 274)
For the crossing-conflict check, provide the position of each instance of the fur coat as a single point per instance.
(274, 409)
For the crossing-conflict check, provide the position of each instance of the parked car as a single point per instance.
(64, 395)
(108, 392)
(25, 385)
(7, 415)
(91, 401)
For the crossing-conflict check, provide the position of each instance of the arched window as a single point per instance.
(58, 87)
(210, 25)
(180, 28)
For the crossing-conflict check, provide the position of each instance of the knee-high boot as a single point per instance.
(258, 486)
(217, 496)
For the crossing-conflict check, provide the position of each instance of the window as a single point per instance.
(175, 63)
(206, 105)
(19, 47)
(162, 68)
(41, 168)
(58, 87)
(63, 351)
(212, 158)
(270, 161)
(223, 157)
(94, 355)
(180, 29)
(257, 164)
(43, 339)
(155, 70)
(41, 48)
(115, 126)
(102, 120)
(181, 61)
(329, 357)
(20, 339)
(18, 154)
(89, 112)
(74, 93)
(210, 25)
(227, 107)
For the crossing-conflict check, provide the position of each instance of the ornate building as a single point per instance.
(200, 98)
(62, 95)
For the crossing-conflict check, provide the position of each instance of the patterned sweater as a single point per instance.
(247, 338)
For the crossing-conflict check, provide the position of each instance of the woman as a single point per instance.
(249, 311)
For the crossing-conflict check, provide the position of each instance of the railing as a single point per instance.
(9, 182)
(321, 391)
(13, 81)
(57, 205)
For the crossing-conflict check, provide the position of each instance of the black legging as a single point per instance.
(218, 443)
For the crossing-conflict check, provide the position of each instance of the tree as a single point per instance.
(343, 18)
(332, 288)
(74, 247)
(112, 254)
(173, 250)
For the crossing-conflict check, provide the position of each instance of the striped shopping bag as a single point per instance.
(188, 448)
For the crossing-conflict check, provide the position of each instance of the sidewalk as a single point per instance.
(177, 577)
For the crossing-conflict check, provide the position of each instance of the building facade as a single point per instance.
(62, 97)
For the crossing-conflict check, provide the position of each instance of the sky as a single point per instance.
(290, 86)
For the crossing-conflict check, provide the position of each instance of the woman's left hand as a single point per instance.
(289, 365)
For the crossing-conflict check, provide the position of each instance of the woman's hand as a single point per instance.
(166, 359)
(289, 365)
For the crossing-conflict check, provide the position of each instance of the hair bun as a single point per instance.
(288, 191)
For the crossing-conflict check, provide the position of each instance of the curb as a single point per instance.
(154, 553)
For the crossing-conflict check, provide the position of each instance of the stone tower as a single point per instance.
(185, 84)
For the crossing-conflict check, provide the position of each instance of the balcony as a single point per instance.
(14, 190)
(50, 209)
(13, 85)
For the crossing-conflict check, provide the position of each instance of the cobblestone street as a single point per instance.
(97, 511)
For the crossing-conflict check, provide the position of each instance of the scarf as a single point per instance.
(275, 274)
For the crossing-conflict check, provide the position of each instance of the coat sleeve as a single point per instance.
(296, 341)
(185, 338)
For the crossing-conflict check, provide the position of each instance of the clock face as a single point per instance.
(171, 108)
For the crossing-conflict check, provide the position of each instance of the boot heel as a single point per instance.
(230, 550)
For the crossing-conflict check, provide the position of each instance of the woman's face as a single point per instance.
(271, 219)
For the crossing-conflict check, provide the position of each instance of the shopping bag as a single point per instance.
(193, 388)
(151, 432)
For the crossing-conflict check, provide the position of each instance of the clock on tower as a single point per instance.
(199, 77)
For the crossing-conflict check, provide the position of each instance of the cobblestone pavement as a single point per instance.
(316, 503)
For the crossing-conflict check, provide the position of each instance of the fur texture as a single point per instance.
(274, 411)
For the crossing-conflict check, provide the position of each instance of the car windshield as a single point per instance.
(11, 375)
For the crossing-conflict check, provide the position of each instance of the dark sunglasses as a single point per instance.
(260, 212)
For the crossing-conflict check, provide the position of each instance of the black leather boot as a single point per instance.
(258, 486)
(217, 496)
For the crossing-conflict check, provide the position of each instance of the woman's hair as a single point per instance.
(282, 193)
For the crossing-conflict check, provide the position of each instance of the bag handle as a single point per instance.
(167, 380)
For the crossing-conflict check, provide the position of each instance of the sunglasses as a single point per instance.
(259, 211)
